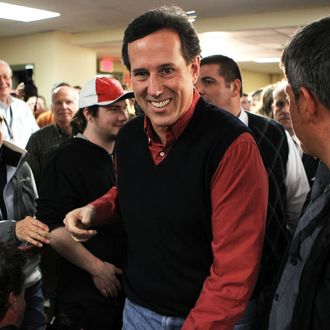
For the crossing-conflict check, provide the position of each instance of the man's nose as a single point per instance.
(286, 107)
(155, 85)
(123, 115)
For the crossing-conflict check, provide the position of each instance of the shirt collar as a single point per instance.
(10, 101)
(244, 117)
(60, 130)
(178, 127)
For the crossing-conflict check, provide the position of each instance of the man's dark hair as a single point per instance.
(11, 274)
(228, 68)
(165, 17)
(79, 122)
(305, 60)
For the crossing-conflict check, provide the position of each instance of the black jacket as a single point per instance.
(78, 173)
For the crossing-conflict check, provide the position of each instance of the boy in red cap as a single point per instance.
(89, 289)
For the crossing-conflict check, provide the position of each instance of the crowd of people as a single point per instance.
(208, 210)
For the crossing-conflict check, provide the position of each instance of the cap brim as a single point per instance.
(126, 95)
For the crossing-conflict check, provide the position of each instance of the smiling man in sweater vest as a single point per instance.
(191, 188)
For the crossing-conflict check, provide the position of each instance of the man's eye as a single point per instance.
(140, 74)
(167, 71)
(207, 81)
(6, 77)
(114, 109)
(280, 104)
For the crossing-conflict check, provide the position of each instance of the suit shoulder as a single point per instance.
(257, 121)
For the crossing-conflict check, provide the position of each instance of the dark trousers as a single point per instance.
(89, 315)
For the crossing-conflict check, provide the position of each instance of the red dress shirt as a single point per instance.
(239, 197)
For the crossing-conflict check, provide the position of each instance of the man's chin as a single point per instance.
(286, 124)
(111, 137)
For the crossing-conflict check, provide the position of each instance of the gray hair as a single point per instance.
(2, 62)
(305, 60)
(74, 92)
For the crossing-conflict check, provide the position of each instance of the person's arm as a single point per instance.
(20, 91)
(104, 274)
(239, 196)
(96, 213)
(296, 183)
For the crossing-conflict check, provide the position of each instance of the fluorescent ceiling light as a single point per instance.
(236, 46)
(24, 14)
(218, 42)
(267, 60)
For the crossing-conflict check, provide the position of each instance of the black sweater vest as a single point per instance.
(167, 209)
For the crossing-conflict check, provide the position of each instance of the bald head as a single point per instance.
(64, 105)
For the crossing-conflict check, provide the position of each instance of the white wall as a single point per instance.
(55, 59)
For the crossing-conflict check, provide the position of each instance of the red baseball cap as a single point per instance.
(102, 91)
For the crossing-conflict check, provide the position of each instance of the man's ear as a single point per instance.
(87, 115)
(195, 68)
(236, 87)
(309, 104)
(12, 301)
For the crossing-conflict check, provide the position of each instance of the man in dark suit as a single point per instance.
(220, 83)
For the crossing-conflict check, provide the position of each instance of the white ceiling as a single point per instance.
(79, 16)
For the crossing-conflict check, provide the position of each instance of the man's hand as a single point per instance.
(20, 91)
(78, 221)
(105, 279)
(32, 231)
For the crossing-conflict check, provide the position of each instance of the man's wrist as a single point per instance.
(93, 215)
(14, 231)
(95, 267)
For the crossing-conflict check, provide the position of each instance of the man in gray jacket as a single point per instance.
(301, 300)
(17, 206)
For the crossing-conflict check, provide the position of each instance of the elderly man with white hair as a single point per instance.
(19, 122)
